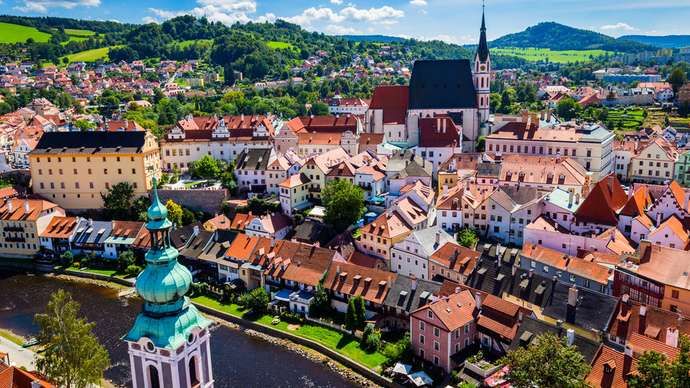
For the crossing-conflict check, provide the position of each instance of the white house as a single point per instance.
(410, 257)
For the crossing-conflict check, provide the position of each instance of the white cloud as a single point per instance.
(336, 2)
(620, 26)
(328, 18)
(42, 6)
(224, 11)
(418, 3)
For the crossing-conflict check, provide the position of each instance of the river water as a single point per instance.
(238, 360)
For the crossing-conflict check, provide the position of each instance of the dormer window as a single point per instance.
(430, 314)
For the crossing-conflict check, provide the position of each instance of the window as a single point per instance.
(430, 314)
(421, 325)
(421, 339)
(437, 332)
(675, 294)
(437, 346)
(546, 269)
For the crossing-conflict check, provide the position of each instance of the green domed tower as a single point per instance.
(169, 342)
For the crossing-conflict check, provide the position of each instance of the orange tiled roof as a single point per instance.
(16, 209)
(59, 227)
(611, 369)
(456, 258)
(603, 203)
(219, 222)
(454, 311)
(637, 203)
(355, 280)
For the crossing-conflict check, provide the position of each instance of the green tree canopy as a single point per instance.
(467, 237)
(118, 201)
(344, 203)
(547, 362)
(677, 78)
(174, 212)
(206, 168)
(655, 370)
(255, 300)
(71, 356)
(567, 108)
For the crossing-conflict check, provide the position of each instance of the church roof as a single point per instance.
(483, 48)
(442, 84)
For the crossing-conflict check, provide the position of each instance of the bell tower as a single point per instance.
(482, 74)
(169, 344)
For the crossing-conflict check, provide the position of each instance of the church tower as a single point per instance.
(482, 74)
(169, 343)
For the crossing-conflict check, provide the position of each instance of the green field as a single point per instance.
(630, 119)
(544, 54)
(89, 55)
(276, 45)
(187, 43)
(75, 32)
(14, 33)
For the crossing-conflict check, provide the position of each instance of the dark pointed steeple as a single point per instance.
(483, 48)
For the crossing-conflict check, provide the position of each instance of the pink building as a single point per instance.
(443, 328)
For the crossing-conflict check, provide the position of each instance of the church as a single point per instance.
(444, 107)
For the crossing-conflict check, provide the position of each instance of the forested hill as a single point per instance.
(668, 41)
(373, 38)
(556, 36)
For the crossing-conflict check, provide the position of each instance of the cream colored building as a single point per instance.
(72, 169)
(223, 138)
(590, 145)
(21, 221)
(655, 163)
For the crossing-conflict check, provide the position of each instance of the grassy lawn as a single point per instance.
(187, 43)
(75, 32)
(277, 45)
(543, 54)
(89, 55)
(332, 339)
(12, 337)
(626, 119)
(98, 271)
(15, 33)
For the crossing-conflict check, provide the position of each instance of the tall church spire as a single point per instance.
(483, 48)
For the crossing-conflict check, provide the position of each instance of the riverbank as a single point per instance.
(307, 347)
(19, 356)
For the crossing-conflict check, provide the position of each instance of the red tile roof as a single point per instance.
(637, 203)
(611, 369)
(453, 311)
(354, 280)
(439, 131)
(393, 100)
(59, 227)
(603, 203)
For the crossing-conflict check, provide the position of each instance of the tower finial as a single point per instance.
(483, 47)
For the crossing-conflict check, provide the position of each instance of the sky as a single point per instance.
(454, 21)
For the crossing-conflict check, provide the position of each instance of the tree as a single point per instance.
(652, 371)
(255, 300)
(321, 303)
(85, 125)
(67, 258)
(344, 203)
(371, 339)
(124, 260)
(677, 79)
(174, 212)
(547, 362)
(355, 316)
(71, 355)
(118, 201)
(567, 108)
(205, 168)
(655, 370)
(468, 238)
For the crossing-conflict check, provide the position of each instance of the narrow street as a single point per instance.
(18, 356)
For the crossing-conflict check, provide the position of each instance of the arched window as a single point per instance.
(154, 381)
(193, 373)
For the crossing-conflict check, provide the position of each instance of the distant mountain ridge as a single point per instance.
(667, 41)
(557, 36)
(373, 38)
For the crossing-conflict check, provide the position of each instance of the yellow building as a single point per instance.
(74, 168)
(21, 222)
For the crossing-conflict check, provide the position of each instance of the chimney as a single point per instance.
(570, 336)
(658, 219)
(572, 296)
(413, 284)
(195, 230)
(642, 320)
(571, 194)
(627, 363)
(27, 208)
(548, 115)
(631, 192)
(35, 384)
(672, 336)
(478, 300)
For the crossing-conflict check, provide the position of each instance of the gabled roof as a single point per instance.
(298, 262)
(354, 280)
(91, 142)
(59, 227)
(603, 203)
(453, 311)
(393, 100)
(221, 222)
(611, 368)
(442, 84)
(13, 377)
(456, 258)
(438, 131)
(675, 226)
(637, 203)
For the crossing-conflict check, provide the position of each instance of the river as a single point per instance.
(238, 360)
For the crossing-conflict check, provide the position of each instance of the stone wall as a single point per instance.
(207, 201)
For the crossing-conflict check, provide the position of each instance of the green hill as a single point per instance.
(668, 41)
(556, 36)
(89, 55)
(15, 33)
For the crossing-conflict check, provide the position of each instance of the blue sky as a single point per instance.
(454, 21)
